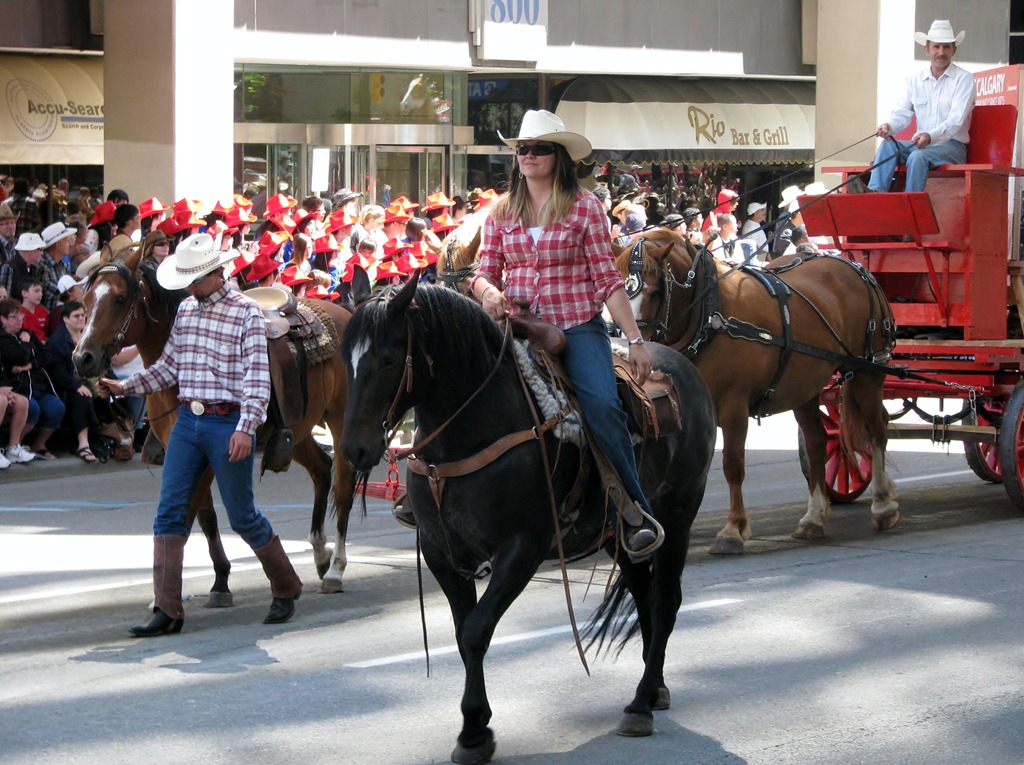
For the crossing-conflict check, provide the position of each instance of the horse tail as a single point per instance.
(615, 620)
(855, 427)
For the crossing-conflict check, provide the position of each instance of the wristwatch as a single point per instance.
(637, 341)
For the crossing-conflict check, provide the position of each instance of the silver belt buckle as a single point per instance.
(197, 408)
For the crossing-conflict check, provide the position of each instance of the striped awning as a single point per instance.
(669, 119)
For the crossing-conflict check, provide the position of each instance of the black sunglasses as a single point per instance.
(538, 150)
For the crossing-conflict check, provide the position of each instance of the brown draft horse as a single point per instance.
(834, 306)
(127, 306)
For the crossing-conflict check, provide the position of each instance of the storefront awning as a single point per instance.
(665, 119)
(52, 110)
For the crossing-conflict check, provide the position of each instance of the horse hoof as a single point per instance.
(331, 586)
(219, 600)
(885, 521)
(635, 725)
(809, 531)
(663, 700)
(474, 755)
(726, 546)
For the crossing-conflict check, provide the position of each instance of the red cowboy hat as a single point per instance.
(390, 268)
(292, 277)
(423, 253)
(284, 222)
(326, 243)
(437, 201)
(319, 293)
(222, 207)
(405, 203)
(395, 213)
(243, 261)
(219, 228)
(261, 267)
(188, 219)
(169, 226)
(340, 219)
(486, 198)
(358, 259)
(150, 207)
(271, 242)
(279, 203)
(104, 212)
(395, 247)
(238, 217)
(183, 204)
(444, 222)
(243, 202)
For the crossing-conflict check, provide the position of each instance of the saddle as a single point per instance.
(298, 336)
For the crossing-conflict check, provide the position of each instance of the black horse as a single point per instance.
(432, 349)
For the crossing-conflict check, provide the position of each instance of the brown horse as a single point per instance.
(126, 307)
(702, 307)
(457, 261)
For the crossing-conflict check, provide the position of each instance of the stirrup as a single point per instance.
(402, 515)
(640, 541)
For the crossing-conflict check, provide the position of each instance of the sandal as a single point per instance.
(44, 454)
(85, 454)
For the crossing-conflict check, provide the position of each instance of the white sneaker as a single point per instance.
(18, 453)
(4, 462)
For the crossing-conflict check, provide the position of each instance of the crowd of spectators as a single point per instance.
(52, 239)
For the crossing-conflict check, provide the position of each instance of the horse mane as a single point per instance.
(460, 247)
(449, 327)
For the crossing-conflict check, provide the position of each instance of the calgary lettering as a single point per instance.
(70, 109)
(994, 83)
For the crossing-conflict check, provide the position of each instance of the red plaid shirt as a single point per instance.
(566, 276)
(217, 352)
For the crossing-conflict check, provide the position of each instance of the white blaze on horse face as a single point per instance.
(100, 291)
(358, 351)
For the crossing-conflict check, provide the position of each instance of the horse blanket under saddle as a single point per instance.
(300, 335)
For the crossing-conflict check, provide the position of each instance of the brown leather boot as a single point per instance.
(285, 585)
(168, 614)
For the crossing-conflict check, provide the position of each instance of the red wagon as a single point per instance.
(947, 259)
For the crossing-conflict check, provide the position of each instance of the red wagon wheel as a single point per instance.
(1011, 446)
(983, 458)
(846, 478)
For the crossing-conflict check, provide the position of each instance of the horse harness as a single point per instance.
(712, 319)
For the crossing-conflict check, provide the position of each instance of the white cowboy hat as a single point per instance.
(754, 207)
(542, 125)
(87, 266)
(194, 257)
(55, 232)
(29, 241)
(788, 195)
(66, 282)
(940, 32)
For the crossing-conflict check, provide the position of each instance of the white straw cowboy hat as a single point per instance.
(940, 32)
(542, 125)
(193, 258)
(55, 232)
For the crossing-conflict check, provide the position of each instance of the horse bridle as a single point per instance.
(634, 285)
(117, 343)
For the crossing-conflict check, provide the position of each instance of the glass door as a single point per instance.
(409, 171)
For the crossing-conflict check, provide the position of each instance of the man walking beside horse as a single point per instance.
(217, 355)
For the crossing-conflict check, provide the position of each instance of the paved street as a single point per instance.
(866, 649)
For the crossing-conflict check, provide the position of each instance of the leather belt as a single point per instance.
(222, 408)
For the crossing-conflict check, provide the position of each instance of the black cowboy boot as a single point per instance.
(285, 585)
(402, 512)
(168, 614)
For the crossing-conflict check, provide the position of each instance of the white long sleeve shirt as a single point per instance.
(942, 105)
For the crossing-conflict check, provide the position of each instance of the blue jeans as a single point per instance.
(197, 441)
(45, 410)
(587, 359)
(918, 162)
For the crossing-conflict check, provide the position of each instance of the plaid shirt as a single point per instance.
(217, 352)
(28, 214)
(50, 272)
(566, 276)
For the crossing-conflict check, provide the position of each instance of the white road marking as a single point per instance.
(933, 476)
(508, 639)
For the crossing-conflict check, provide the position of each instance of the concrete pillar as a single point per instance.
(168, 95)
(865, 53)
